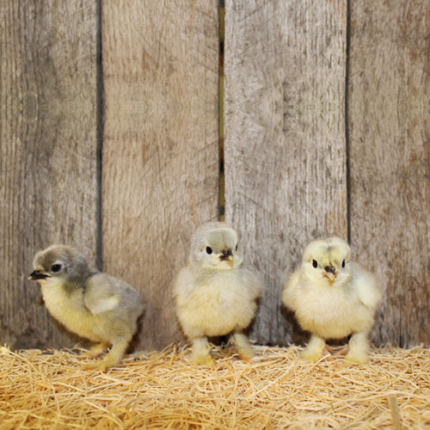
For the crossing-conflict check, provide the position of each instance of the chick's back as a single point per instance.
(114, 304)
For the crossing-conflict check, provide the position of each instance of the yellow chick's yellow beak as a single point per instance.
(331, 276)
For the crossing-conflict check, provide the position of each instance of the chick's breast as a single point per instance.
(333, 312)
(215, 304)
(69, 310)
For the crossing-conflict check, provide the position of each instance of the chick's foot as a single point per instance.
(358, 359)
(202, 352)
(342, 352)
(100, 365)
(358, 349)
(241, 345)
(114, 357)
(204, 360)
(314, 350)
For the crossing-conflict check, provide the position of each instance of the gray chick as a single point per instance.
(91, 304)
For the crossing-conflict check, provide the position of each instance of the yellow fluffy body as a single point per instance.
(335, 303)
(212, 303)
(216, 297)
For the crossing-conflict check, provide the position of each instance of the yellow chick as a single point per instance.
(91, 304)
(332, 298)
(216, 293)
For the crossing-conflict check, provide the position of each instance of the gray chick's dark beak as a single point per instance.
(226, 254)
(37, 274)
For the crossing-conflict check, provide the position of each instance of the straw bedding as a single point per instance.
(48, 389)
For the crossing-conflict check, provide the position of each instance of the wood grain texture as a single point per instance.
(48, 131)
(160, 153)
(389, 99)
(285, 162)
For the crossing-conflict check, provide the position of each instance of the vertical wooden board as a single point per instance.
(389, 99)
(48, 138)
(160, 151)
(285, 161)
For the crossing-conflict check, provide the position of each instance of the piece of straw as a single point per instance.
(395, 415)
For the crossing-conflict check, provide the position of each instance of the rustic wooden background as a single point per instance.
(110, 138)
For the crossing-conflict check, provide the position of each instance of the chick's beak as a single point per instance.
(37, 274)
(226, 255)
(330, 273)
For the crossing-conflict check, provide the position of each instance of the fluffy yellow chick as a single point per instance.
(216, 293)
(91, 304)
(333, 298)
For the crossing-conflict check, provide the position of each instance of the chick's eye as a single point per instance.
(209, 250)
(55, 268)
(314, 263)
(236, 248)
(343, 263)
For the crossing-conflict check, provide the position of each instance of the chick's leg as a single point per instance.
(314, 350)
(358, 348)
(241, 344)
(201, 352)
(98, 349)
(113, 357)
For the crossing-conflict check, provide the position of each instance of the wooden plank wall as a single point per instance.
(48, 141)
(304, 87)
(389, 112)
(285, 160)
(160, 150)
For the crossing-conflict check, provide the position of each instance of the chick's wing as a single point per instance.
(366, 286)
(253, 281)
(101, 294)
(184, 285)
(289, 293)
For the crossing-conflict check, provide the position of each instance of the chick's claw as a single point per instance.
(342, 352)
(326, 353)
(205, 360)
(99, 365)
(357, 359)
(328, 349)
(245, 357)
(310, 355)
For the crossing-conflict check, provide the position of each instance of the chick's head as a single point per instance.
(59, 264)
(215, 246)
(327, 262)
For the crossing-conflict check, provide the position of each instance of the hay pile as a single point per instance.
(41, 390)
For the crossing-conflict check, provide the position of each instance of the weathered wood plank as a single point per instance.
(285, 161)
(389, 99)
(48, 141)
(160, 153)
